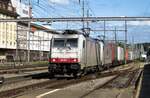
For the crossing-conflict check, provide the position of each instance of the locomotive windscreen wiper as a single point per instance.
(68, 46)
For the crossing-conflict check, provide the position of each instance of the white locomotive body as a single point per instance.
(74, 53)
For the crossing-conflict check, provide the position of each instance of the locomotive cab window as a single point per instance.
(59, 42)
(72, 42)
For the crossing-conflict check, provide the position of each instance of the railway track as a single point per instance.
(53, 83)
(120, 81)
(43, 73)
(21, 69)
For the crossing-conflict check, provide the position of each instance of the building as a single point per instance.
(15, 38)
(37, 41)
(22, 7)
(7, 29)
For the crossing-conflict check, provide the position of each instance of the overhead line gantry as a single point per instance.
(77, 19)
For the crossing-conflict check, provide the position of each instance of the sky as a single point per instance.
(137, 31)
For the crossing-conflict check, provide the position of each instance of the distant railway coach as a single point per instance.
(127, 54)
(114, 53)
(130, 56)
(107, 55)
(120, 54)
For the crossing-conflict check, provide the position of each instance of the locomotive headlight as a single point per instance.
(53, 60)
(74, 60)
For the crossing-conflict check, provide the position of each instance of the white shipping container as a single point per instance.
(120, 53)
(130, 56)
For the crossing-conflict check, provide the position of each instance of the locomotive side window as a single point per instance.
(59, 43)
(72, 42)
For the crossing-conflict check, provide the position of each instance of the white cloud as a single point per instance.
(139, 23)
(65, 2)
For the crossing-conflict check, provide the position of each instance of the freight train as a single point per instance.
(74, 53)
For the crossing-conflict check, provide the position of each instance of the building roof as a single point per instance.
(36, 27)
(7, 8)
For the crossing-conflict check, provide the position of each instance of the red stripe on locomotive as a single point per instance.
(63, 60)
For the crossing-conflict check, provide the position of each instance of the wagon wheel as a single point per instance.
(85, 71)
(99, 68)
(75, 75)
(51, 75)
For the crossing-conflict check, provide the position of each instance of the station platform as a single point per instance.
(145, 85)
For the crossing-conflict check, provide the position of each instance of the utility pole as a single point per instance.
(133, 43)
(125, 46)
(29, 29)
(17, 42)
(115, 35)
(83, 9)
(88, 29)
(28, 42)
(104, 38)
(38, 1)
(104, 30)
(115, 32)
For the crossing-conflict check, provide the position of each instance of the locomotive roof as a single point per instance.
(72, 32)
(75, 32)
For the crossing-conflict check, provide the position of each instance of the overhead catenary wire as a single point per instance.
(66, 8)
(45, 7)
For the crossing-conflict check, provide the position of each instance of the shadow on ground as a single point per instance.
(46, 75)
